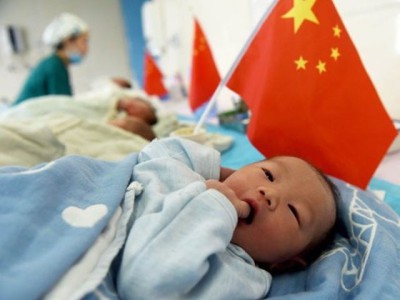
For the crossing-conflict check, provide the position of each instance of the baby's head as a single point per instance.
(293, 210)
(139, 108)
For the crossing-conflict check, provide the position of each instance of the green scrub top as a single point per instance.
(49, 77)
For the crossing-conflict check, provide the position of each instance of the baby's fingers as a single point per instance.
(243, 209)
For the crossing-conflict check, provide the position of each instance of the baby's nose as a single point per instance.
(269, 196)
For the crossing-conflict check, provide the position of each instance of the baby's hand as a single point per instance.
(242, 208)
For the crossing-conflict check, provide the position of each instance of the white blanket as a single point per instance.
(31, 141)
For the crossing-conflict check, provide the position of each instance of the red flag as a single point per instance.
(309, 94)
(153, 84)
(204, 74)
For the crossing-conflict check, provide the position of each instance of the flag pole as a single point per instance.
(228, 75)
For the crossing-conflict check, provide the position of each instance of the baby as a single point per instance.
(174, 224)
(286, 208)
(201, 231)
(140, 116)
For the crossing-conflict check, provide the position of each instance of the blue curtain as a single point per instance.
(131, 11)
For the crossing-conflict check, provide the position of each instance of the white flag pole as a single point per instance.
(228, 75)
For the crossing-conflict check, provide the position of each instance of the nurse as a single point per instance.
(68, 36)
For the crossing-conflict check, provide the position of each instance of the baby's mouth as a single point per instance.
(250, 217)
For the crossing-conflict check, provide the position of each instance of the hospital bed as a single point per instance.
(364, 262)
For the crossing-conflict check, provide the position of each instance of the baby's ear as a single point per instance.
(292, 265)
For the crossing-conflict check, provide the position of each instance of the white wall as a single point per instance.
(373, 24)
(108, 54)
(168, 25)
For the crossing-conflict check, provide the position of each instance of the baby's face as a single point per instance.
(291, 208)
(138, 108)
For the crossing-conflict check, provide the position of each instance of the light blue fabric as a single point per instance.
(365, 261)
(180, 233)
(179, 243)
(39, 241)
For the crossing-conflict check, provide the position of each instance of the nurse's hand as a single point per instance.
(242, 208)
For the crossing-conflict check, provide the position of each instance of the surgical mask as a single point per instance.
(75, 57)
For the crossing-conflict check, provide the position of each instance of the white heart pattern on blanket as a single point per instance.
(84, 218)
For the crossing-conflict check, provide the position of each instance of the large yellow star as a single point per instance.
(301, 11)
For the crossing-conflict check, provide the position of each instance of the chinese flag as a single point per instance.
(153, 84)
(309, 94)
(204, 74)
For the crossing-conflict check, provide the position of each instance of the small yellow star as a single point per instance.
(300, 63)
(321, 66)
(200, 46)
(301, 11)
(335, 53)
(336, 31)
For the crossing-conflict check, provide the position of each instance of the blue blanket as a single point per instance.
(50, 215)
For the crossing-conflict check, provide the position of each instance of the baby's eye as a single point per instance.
(294, 211)
(269, 175)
